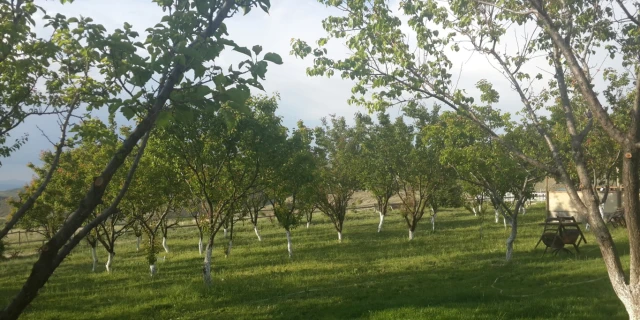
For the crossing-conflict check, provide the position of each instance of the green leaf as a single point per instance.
(272, 57)
(128, 112)
(164, 118)
(257, 49)
(238, 95)
(244, 50)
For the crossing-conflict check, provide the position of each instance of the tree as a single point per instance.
(379, 159)
(150, 82)
(565, 35)
(156, 193)
(292, 181)
(478, 160)
(420, 174)
(336, 153)
(223, 158)
(62, 64)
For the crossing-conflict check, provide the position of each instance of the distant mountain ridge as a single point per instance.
(11, 184)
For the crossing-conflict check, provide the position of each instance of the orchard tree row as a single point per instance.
(204, 145)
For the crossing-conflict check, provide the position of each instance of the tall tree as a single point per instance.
(292, 181)
(337, 153)
(180, 42)
(379, 160)
(223, 158)
(565, 34)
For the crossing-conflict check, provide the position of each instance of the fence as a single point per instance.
(26, 237)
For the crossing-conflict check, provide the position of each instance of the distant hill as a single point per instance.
(4, 195)
(11, 184)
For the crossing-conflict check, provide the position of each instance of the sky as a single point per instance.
(302, 97)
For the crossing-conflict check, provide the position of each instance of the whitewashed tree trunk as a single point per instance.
(504, 220)
(339, 236)
(200, 245)
(225, 232)
(229, 247)
(152, 269)
(601, 209)
(410, 234)
(308, 223)
(107, 265)
(512, 237)
(497, 213)
(138, 243)
(289, 248)
(206, 269)
(474, 211)
(94, 255)
(433, 222)
(255, 228)
(381, 221)
(164, 244)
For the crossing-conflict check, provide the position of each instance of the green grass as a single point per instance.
(449, 274)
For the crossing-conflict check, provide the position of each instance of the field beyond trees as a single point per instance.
(449, 273)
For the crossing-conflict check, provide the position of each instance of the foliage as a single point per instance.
(292, 179)
(337, 149)
(366, 273)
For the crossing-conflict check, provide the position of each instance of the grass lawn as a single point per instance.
(447, 274)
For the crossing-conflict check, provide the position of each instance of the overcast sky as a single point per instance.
(302, 97)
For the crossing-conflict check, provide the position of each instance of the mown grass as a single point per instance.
(447, 274)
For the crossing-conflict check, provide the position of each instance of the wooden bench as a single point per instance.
(617, 219)
(559, 232)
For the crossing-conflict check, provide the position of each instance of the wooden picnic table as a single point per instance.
(561, 231)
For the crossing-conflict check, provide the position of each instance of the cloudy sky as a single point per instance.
(302, 97)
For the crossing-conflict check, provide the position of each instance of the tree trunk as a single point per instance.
(152, 269)
(497, 213)
(308, 223)
(224, 234)
(94, 255)
(107, 265)
(410, 234)
(339, 236)
(381, 221)
(200, 245)
(138, 243)
(255, 229)
(289, 248)
(164, 244)
(475, 214)
(504, 221)
(512, 237)
(229, 246)
(433, 222)
(206, 269)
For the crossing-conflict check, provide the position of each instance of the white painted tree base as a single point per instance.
(94, 256)
(200, 245)
(224, 232)
(206, 268)
(153, 270)
(228, 253)
(410, 235)
(138, 243)
(308, 223)
(381, 221)
(289, 248)
(255, 229)
(339, 236)
(107, 266)
(164, 244)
